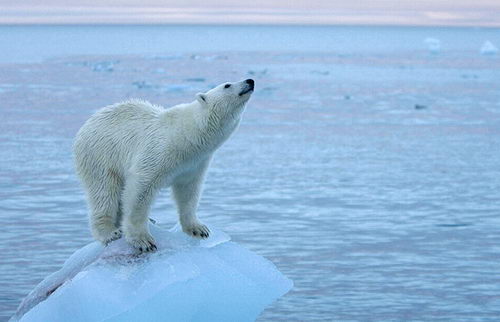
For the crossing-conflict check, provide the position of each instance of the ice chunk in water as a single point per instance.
(488, 48)
(433, 45)
(185, 280)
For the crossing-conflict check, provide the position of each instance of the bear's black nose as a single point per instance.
(250, 82)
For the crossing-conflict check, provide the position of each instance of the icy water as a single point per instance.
(370, 175)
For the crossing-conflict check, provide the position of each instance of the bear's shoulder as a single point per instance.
(131, 108)
(137, 104)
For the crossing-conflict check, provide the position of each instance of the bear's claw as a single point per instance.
(114, 235)
(150, 248)
(197, 230)
(143, 243)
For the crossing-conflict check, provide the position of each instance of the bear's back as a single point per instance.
(112, 136)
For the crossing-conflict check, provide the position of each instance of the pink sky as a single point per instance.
(375, 12)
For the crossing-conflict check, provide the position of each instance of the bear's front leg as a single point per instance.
(186, 192)
(137, 198)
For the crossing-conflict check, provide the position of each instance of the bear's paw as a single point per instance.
(107, 236)
(143, 242)
(197, 230)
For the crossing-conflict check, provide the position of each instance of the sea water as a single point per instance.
(366, 167)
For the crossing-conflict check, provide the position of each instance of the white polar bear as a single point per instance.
(126, 152)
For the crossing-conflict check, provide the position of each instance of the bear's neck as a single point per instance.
(216, 129)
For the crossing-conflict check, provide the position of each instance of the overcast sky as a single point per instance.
(375, 12)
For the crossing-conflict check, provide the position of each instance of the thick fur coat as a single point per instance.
(126, 152)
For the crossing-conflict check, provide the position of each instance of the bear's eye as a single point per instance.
(227, 86)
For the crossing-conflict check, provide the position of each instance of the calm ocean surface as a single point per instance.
(366, 168)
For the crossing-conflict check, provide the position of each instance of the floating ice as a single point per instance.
(143, 85)
(104, 66)
(433, 45)
(196, 79)
(258, 72)
(175, 88)
(488, 48)
(209, 57)
(186, 280)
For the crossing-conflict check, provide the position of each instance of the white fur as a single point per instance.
(126, 152)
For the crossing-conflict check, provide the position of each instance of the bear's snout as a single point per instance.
(248, 86)
(250, 82)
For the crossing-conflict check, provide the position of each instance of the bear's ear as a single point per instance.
(202, 98)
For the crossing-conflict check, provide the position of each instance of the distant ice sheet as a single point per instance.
(186, 280)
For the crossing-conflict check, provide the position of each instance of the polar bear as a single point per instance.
(126, 152)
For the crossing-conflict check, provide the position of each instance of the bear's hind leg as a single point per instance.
(104, 201)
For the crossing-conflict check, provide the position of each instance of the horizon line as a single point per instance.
(219, 24)
(255, 16)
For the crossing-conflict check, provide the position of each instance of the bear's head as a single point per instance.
(228, 99)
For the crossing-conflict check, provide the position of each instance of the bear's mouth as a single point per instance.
(246, 90)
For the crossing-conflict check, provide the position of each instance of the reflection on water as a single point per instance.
(376, 209)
